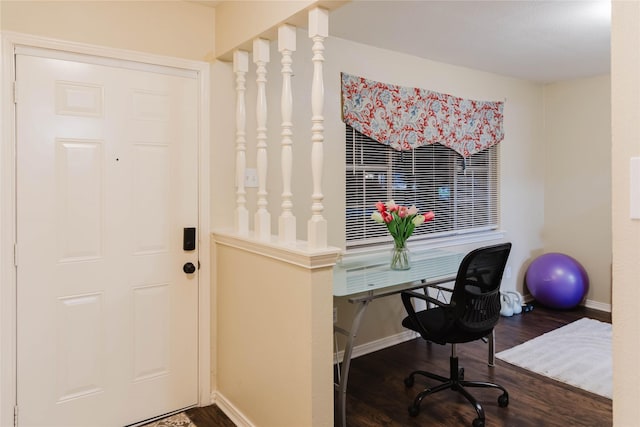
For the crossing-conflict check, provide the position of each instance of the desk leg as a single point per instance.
(341, 386)
(492, 348)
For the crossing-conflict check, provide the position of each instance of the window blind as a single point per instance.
(462, 193)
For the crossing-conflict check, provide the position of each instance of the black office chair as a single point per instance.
(471, 314)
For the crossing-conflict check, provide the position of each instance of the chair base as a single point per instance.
(457, 383)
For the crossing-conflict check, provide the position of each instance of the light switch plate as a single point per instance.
(251, 178)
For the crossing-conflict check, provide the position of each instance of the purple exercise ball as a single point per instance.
(557, 280)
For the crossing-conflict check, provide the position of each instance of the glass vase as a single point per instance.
(400, 259)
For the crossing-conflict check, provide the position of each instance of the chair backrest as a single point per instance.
(476, 293)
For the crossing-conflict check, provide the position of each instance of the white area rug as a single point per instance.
(578, 354)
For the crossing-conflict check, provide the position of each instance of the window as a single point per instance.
(463, 195)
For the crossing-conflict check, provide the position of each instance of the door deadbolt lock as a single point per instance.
(189, 239)
(189, 268)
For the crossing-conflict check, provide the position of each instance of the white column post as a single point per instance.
(287, 221)
(261, 59)
(240, 68)
(318, 31)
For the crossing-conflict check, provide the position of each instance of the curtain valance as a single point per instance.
(406, 118)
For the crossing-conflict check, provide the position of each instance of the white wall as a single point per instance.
(577, 197)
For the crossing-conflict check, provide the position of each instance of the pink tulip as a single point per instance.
(403, 211)
(381, 207)
(413, 210)
(429, 216)
(391, 206)
(387, 217)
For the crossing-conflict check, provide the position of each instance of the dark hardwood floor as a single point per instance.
(209, 416)
(376, 394)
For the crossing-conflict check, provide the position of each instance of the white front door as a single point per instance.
(107, 180)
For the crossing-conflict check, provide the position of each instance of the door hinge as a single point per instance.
(15, 416)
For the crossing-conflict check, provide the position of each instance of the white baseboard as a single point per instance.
(237, 417)
(370, 347)
(598, 305)
(240, 420)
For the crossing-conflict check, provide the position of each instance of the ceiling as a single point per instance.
(542, 41)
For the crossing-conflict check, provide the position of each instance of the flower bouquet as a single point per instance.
(400, 221)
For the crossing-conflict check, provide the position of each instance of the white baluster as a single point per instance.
(318, 31)
(240, 68)
(261, 59)
(286, 46)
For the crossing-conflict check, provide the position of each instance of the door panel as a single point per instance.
(106, 182)
(79, 178)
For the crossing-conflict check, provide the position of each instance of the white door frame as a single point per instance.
(8, 315)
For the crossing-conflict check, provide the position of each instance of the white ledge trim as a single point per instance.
(297, 253)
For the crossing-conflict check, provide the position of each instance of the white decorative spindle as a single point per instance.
(240, 68)
(318, 31)
(262, 216)
(286, 46)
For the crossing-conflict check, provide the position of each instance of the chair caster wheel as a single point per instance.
(503, 400)
(408, 382)
(461, 374)
(414, 410)
(478, 422)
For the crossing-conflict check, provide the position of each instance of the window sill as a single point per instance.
(458, 242)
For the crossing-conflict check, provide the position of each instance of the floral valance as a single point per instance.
(406, 118)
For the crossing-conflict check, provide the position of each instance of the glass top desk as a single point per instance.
(364, 279)
(372, 275)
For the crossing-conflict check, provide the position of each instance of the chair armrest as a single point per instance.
(408, 295)
(438, 287)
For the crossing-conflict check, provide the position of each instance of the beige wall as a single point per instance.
(257, 17)
(274, 333)
(173, 28)
(536, 214)
(522, 182)
(223, 150)
(185, 30)
(564, 115)
(239, 22)
(577, 165)
(625, 66)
